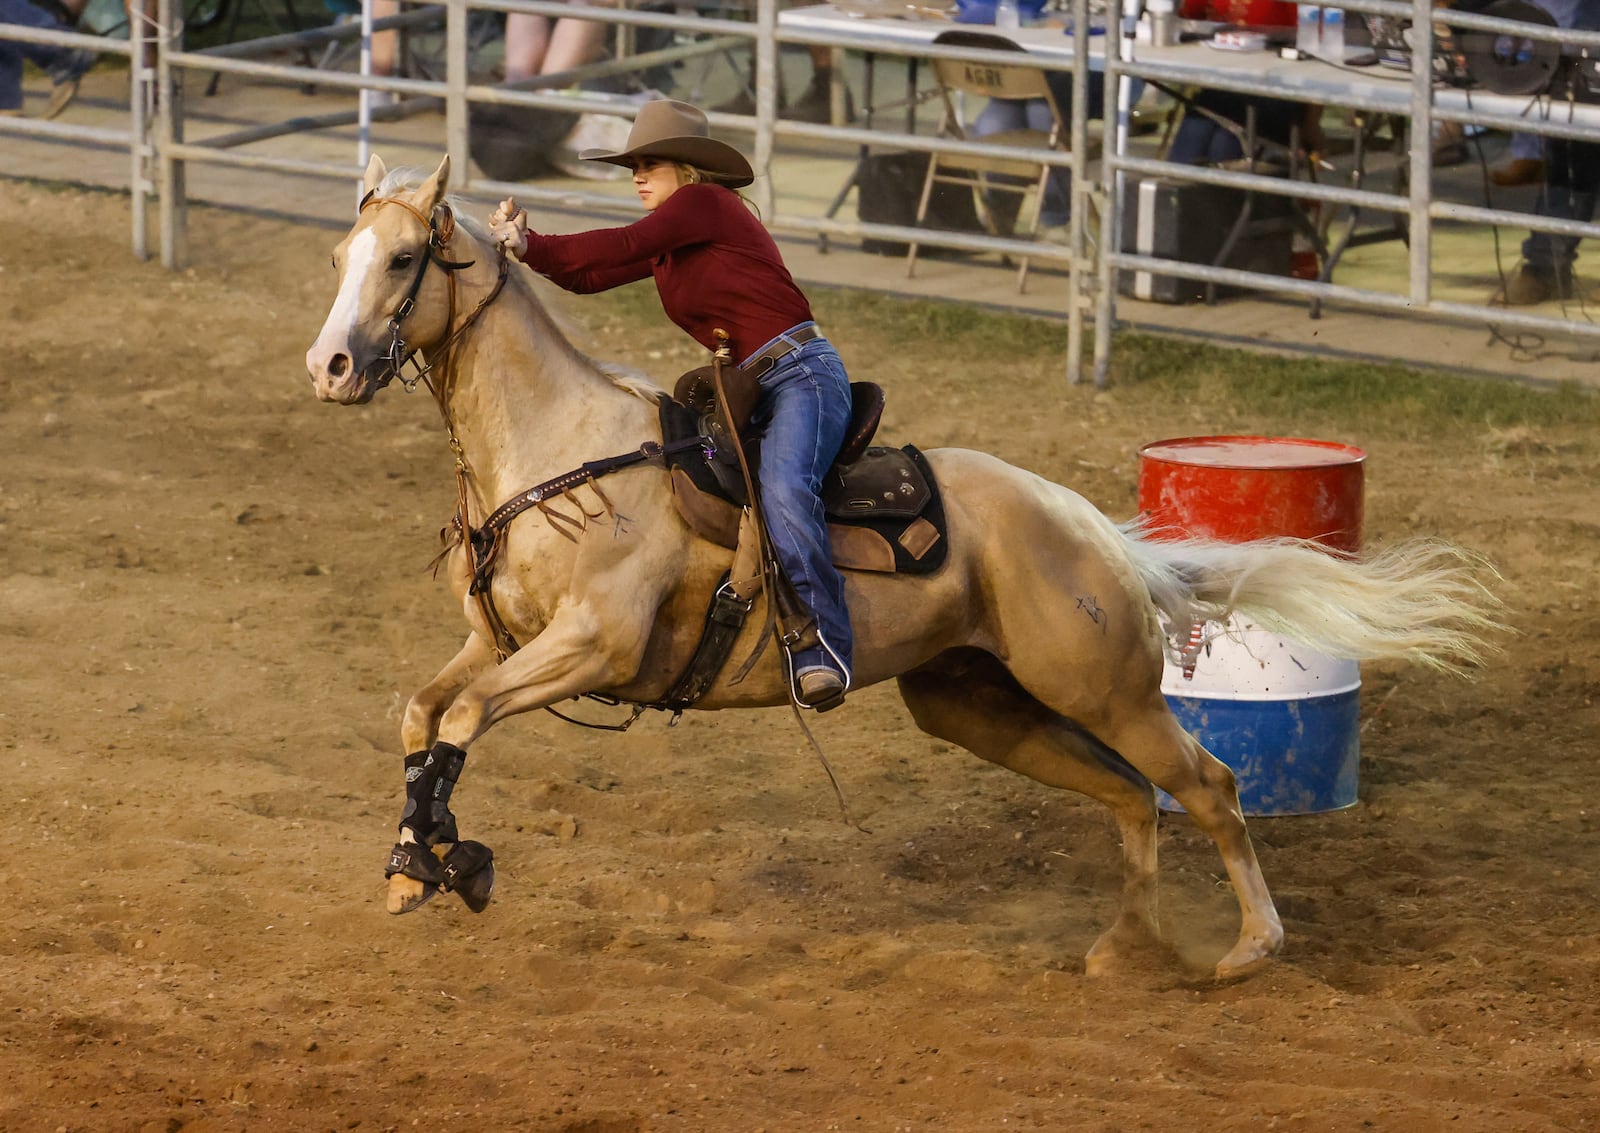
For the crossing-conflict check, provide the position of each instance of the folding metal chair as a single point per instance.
(986, 176)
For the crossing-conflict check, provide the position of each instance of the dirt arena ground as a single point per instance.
(214, 605)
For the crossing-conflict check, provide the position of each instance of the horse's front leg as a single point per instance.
(414, 879)
(572, 656)
(419, 725)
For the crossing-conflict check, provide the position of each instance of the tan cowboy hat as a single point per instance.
(676, 131)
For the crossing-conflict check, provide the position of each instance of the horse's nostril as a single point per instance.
(339, 365)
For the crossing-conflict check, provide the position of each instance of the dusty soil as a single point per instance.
(214, 604)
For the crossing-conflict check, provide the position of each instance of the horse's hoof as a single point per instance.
(414, 876)
(1244, 960)
(468, 869)
(476, 889)
(406, 894)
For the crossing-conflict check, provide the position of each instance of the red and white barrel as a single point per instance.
(1285, 718)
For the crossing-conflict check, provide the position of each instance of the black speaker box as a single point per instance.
(1185, 221)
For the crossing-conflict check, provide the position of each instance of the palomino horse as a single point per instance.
(1038, 644)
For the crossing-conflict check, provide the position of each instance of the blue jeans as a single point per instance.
(57, 62)
(1001, 114)
(1204, 141)
(801, 419)
(1572, 176)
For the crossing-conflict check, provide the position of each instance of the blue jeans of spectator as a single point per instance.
(53, 61)
(1003, 114)
(801, 418)
(1572, 176)
(1201, 140)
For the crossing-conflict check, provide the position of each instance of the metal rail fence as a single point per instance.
(456, 93)
(135, 137)
(1422, 108)
(155, 139)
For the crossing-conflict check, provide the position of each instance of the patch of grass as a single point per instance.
(1222, 389)
(1383, 401)
(934, 327)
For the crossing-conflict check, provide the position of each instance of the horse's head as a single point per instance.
(393, 290)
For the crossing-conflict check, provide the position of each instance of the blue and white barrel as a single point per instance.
(1285, 718)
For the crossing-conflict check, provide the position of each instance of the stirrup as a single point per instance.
(822, 699)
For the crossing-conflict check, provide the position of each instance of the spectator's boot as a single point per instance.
(815, 104)
(1517, 171)
(65, 77)
(1529, 287)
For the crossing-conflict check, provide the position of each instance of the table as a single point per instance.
(1375, 88)
(1046, 42)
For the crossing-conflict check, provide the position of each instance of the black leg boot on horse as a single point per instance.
(433, 854)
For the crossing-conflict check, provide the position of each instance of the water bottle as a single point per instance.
(1163, 16)
(1308, 37)
(1007, 14)
(1332, 48)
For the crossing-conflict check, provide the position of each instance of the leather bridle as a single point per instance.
(441, 227)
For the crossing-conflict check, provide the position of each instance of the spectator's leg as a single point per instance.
(997, 116)
(574, 43)
(815, 103)
(10, 79)
(1524, 164)
(527, 43)
(385, 44)
(64, 65)
(1548, 257)
(1200, 138)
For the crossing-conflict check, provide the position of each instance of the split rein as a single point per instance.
(484, 543)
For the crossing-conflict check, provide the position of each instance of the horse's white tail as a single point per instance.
(1423, 600)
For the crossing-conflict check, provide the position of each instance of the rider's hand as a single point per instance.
(508, 226)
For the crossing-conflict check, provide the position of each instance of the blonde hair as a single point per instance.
(694, 175)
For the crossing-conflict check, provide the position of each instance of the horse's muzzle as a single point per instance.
(339, 380)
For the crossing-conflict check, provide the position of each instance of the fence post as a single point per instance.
(767, 87)
(1078, 220)
(1421, 187)
(1118, 50)
(456, 108)
(140, 37)
(169, 116)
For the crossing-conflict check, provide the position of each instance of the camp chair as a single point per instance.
(987, 176)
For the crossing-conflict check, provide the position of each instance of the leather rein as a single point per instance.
(485, 542)
(441, 227)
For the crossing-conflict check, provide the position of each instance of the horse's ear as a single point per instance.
(374, 176)
(431, 192)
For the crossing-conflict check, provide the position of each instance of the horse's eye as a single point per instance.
(403, 260)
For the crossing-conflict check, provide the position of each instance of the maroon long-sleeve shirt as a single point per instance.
(715, 266)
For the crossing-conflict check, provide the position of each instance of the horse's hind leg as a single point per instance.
(970, 699)
(1150, 737)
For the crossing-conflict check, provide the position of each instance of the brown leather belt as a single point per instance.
(783, 345)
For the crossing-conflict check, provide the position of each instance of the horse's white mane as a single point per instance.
(633, 382)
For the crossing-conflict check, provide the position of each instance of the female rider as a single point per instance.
(717, 267)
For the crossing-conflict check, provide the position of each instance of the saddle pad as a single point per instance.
(888, 519)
